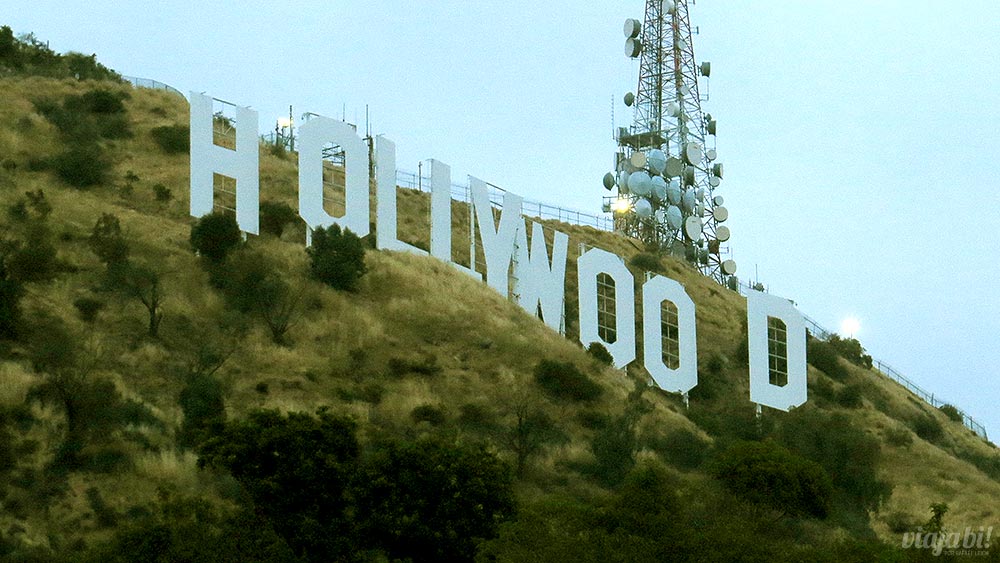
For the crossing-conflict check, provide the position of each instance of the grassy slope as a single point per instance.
(409, 308)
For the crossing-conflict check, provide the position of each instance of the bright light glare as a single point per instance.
(849, 327)
(284, 122)
(621, 205)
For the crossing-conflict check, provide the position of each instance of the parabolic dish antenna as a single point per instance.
(632, 28)
(718, 200)
(688, 201)
(722, 233)
(609, 181)
(659, 187)
(632, 47)
(720, 214)
(673, 168)
(638, 159)
(674, 192)
(692, 228)
(657, 160)
(712, 154)
(674, 217)
(729, 267)
(638, 183)
(692, 153)
(629, 99)
(714, 181)
(643, 208)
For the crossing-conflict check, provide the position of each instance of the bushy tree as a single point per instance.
(765, 474)
(824, 357)
(296, 468)
(145, 285)
(11, 292)
(564, 381)
(336, 258)
(33, 258)
(204, 409)
(429, 502)
(215, 235)
(191, 529)
(275, 215)
(600, 353)
(252, 284)
(173, 139)
(849, 455)
(108, 242)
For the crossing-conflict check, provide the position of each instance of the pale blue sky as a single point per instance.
(861, 139)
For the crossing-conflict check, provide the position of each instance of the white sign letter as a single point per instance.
(385, 198)
(594, 262)
(654, 292)
(761, 307)
(441, 218)
(208, 159)
(538, 283)
(313, 134)
(498, 240)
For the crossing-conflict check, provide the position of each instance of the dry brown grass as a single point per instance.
(408, 309)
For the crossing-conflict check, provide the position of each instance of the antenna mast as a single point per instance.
(665, 170)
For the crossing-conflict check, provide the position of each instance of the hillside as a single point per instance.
(418, 351)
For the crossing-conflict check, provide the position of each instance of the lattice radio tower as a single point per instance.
(666, 172)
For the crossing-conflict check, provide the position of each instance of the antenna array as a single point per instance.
(666, 168)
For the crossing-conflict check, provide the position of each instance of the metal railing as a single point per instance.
(151, 84)
(460, 192)
(888, 371)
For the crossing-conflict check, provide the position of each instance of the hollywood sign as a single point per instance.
(540, 278)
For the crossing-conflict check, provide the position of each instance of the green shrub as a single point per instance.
(204, 410)
(476, 417)
(951, 412)
(108, 242)
(34, 258)
(646, 261)
(825, 358)
(215, 235)
(850, 349)
(600, 353)
(430, 501)
(927, 427)
(82, 166)
(162, 193)
(104, 515)
(11, 292)
(88, 308)
(431, 414)
(275, 215)
(564, 381)
(100, 101)
(764, 473)
(717, 363)
(426, 365)
(898, 436)
(614, 448)
(850, 396)
(173, 139)
(681, 448)
(297, 469)
(848, 454)
(336, 258)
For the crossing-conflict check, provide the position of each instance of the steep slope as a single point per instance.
(415, 334)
